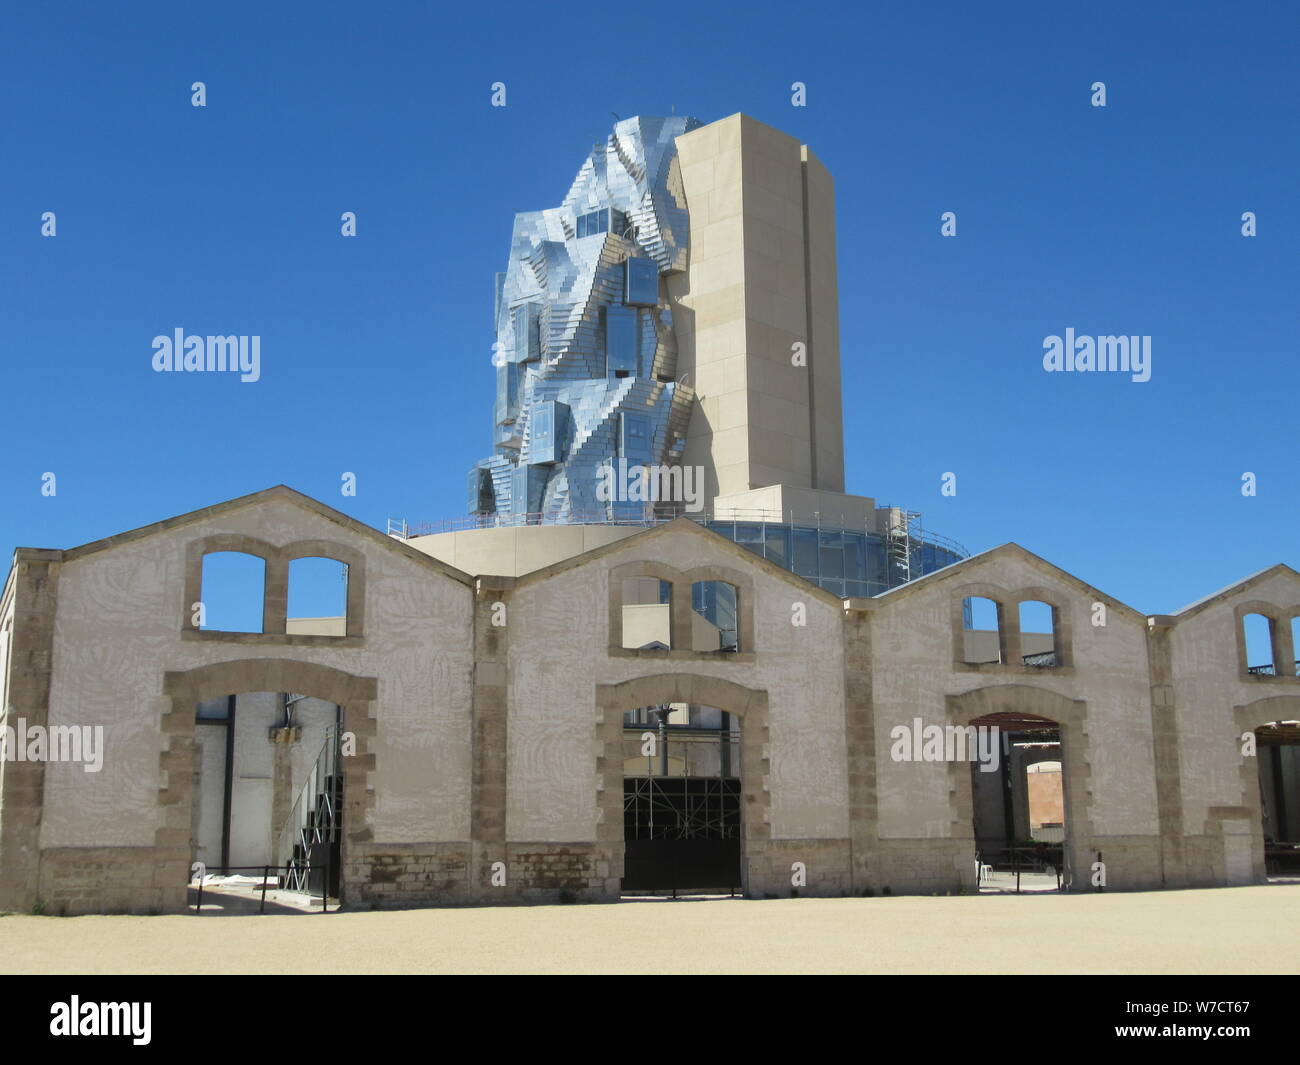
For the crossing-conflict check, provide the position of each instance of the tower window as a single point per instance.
(594, 222)
(641, 282)
(620, 340)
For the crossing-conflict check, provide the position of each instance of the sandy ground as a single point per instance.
(1227, 930)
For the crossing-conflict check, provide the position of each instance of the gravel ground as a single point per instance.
(1226, 930)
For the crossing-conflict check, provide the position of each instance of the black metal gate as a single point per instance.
(681, 833)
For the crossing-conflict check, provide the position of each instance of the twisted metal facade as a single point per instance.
(585, 353)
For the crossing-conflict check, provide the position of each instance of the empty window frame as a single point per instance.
(714, 621)
(647, 605)
(981, 630)
(1257, 632)
(1038, 634)
(318, 597)
(233, 592)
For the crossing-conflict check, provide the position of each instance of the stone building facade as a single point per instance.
(486, 715)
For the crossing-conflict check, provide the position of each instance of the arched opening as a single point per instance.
(981, 630)
(317, 597)
(1038, 634)
(1277, 750)
(232, 593)
(682, 800)
(1257, 632)
(1019, 803)
(647, 608)
(267, 797)
(202, 691)
(714, 618)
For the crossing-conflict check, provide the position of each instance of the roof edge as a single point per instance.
(279, 491)
(1015, 549)
(1197, 605)
(681, 524)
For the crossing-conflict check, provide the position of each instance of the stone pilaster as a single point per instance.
(36, 595)
(860, 746)
(1164, 735)
(491, 700)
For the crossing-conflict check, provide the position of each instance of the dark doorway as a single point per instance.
(1278, 753)
(681, 800)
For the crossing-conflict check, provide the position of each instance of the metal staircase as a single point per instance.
(308, 847)
(901, 540)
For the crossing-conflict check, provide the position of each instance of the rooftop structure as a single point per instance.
(586, 352)
(679, 312)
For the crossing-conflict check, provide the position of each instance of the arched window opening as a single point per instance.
(647, 607)
(714, 617)
(233, 592)
(981, 630)
(1038, 634)
(318, 597)
(1257, 630)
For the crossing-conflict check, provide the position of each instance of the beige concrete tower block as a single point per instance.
(762, 278)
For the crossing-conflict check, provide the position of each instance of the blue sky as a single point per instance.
(376, 350)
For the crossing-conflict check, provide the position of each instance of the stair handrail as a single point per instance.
(297, 826)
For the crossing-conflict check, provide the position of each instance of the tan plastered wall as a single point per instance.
(914, 675)
(1216, 702)
(119, 628)
(559, 653)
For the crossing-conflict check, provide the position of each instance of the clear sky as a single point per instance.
(375, 351)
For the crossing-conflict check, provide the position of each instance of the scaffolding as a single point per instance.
(904, 536)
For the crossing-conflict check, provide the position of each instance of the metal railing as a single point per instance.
(279, 881)
(1017, 860)
(656, 514)
(314, 820)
